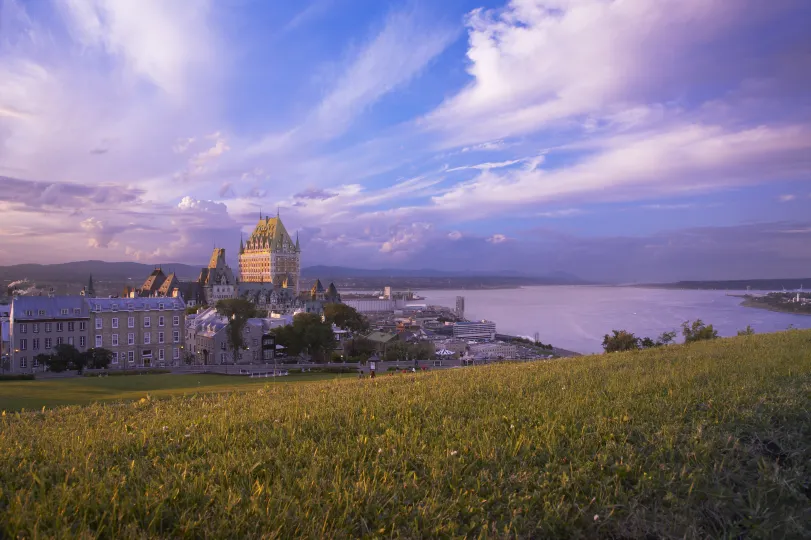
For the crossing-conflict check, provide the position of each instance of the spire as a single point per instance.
(91, 292)
(241, 245)
(297, 246)
(260, 213)
(277, 212)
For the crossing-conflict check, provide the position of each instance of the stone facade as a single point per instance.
(39, 323)
(141, 332)
(270, 256)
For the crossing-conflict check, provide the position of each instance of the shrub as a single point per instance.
(748, 331)
(697, 331)
(620, 340)
(124, 373)
(18, 377)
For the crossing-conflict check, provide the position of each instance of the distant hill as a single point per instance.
(737, 284)
(78, 272)
(342, 272)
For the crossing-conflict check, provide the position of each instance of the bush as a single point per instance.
(697, 331)
(620, 340)
(124, 373)
(18, 377)
(748, 331)
(334, 369)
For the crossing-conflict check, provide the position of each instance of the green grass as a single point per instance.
(16, 395)
(707, 440)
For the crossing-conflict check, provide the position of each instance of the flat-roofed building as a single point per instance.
(475, 330)
(39, 323)
(140, 332)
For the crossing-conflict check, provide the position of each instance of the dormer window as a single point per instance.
(114, 307)
(77, 311)
(130, 306)
(160, 307)
(64, 311)
(98, 308)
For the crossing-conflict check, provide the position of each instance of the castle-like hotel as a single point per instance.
(269, 275)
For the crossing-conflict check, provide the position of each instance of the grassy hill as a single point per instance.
(708, 440)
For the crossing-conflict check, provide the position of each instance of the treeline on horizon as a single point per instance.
(740, 284)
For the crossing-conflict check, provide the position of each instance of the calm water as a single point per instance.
(577, 317)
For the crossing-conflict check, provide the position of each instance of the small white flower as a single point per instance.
(165, 428)
(379, 450)
(596, 517)
(454, 452)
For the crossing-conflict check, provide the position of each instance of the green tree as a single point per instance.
(237, 311)
(345, 317)
(68, 356)
(359, 346)
(620, 340)
(666, 338)
(697, 331)
(307, 334)
(98, 358)
(748, 331)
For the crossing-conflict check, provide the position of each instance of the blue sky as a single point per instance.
(619, 140)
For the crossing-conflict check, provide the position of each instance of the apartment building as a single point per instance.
(140, 332)
(475, 330)
(39, 323)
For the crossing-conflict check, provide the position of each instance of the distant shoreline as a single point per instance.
(747, 302)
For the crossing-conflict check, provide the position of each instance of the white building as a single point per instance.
(475, 330)
(375, 305)
(494, 351)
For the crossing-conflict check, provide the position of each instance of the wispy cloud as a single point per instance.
(786, 198)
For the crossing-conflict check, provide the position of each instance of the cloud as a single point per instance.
(226, 190)
(486, 166)
(315, 10)
(565, 212)
(181, 145)
(454, 235)
(786, 198)
(190, 204)
(406, 238)
(30, 194)
(316, 194)
(497, 239)
(101, 234)
(200, 160)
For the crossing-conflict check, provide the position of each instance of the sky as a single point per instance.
(618, 140)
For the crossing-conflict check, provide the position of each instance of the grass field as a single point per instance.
(16, 395)
(708, 440)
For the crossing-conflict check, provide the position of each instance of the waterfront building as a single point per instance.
(460, 307)
(37, 324)
(475, 330)
(493, 351)
(140, 332)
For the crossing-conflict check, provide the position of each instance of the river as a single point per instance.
(577, 317)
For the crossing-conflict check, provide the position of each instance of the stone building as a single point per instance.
(37, 324)
(141, 332)
(217, 280)
(270, 256)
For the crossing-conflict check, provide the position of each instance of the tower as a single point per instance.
(91, 291)
(270, 255)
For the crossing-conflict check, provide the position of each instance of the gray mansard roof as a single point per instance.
(102, 305)
(48, 307)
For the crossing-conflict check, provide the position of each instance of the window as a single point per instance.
(47, 343)
(147, 338)
(64, 311)
(98, 341)
(222, 358)
(222, 345)
(114, 341)
(160, 354)
(35, 328)
(77, 311)
(82, 326)
(176, 336)
(23, 362)
(176, 320)
(161, 319)
(115, 322)
(98, 307)
(130, 356)
(175, 353)
(130, 322)
(130, 339)
(29, 313)
(130, 306)
(35, 344)
(99, 323)
(71, 327)
(115, 358)
(34, 362)
(114, 307)
(47, 327)
(81, 341)
(147, 322)
(60, 340)
(70, 340)
(255, 341)
(42, 312)
(160, 337)
(60, 327)
(23, 328)
(160, 307)
(23, 344)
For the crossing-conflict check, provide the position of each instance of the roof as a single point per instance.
(381, 337)
(102, 305)
(217, 258)
(54, 307)
(270, 234)
(169, 284)
(154, 281)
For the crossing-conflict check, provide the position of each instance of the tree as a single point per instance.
(748, 331)
(237, 311)
(67, 357)
(359, 346)
(620, 340)
(98, 358)
(666, 338)
(697, 331)
(307, 334)
(5, 363)
(345, 317)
